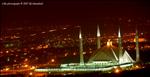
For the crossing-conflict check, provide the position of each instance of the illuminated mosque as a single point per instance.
(105, 58)
(110, 55)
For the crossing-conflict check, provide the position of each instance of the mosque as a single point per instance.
(105, 58)
(110, 55)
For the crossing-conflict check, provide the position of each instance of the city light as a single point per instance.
(117, 71)
(33, 67)
(6, 69)
(30, 73)
(109, 43)
(52, 60)
(136, 66)
(66, 54)
(7, 51)
(26, 65)
(74, 53)
(75, 38)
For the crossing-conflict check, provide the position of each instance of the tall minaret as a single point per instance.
(137, 47)
(81, 49)
(120, 46)
(98, 38)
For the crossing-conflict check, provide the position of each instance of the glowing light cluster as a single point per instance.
(109, 43)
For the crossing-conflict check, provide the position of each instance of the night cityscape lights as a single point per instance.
(75, 38)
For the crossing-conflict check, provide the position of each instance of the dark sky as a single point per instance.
(75, 12)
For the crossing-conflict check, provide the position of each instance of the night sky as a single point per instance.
(106, 13)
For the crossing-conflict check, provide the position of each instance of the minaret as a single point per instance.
(98, 38)
(137, 47)
(81, 49)
(120, 46)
